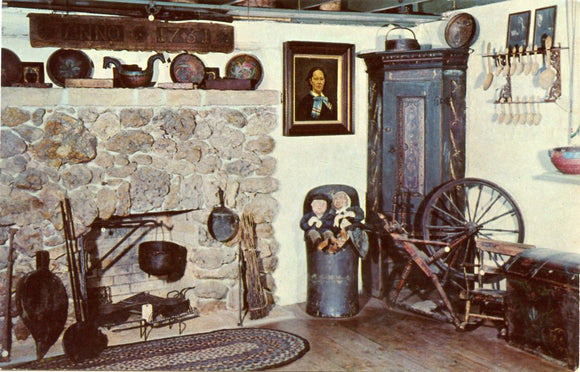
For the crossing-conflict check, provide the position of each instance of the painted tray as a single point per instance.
(69, 64)
(11, 68)
(245, 66)
(460, 31)
(187, 68)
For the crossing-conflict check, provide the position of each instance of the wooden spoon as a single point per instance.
(516, 118)
(508, 63)
(515, 64)
(524, 114)
(489, 76)
(529, 64)
(547, 76)
(521, 63)
(500, 67)
(531, 113)
(501, 116)
(509, 116)
(538, 116)
(536, 65)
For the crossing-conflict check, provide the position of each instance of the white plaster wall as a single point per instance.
(512, 156)
(516, 156)
(303, 162)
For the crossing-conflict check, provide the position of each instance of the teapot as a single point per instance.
(132, 76)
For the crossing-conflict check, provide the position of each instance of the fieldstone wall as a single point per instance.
(154, 155)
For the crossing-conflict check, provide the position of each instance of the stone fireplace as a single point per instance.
(118, 153)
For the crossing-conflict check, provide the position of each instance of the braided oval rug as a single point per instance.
(238, 349)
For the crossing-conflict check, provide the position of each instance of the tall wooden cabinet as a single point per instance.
(416, 136)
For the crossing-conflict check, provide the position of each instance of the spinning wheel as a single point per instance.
(464, 209)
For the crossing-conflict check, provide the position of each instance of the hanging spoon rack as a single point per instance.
(505, 60)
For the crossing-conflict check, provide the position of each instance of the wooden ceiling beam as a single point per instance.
(204, 11)
(301, 4)
(440, 7)
(379, 5)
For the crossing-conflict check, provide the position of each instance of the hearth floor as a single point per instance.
(24, 351)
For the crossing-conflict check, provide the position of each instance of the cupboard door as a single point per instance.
(411, 163)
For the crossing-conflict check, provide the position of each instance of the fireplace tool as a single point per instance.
(82, 340)
(7, 335)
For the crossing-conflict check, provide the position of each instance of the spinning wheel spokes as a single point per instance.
(469, 208)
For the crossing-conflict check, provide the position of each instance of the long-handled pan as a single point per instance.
(223, 223)
(82, 340)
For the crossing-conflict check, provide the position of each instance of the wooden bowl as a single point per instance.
(566, 159)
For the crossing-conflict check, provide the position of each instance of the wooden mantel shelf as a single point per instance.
(31, 97)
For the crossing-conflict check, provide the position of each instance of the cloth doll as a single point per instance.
(346, 217)
(317, 224)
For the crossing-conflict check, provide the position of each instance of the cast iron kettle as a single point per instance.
(400, 45)
(159, 257)
(223, 222)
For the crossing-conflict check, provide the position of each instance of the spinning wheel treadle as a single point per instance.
(470, 228)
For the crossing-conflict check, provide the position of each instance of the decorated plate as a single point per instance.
(187, 68)
(245, 66)
(11, 68)
(460, 31)
(69, 64)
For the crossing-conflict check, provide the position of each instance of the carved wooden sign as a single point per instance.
(123, 33)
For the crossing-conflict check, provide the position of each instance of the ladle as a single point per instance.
(547, 76)
(489, 76)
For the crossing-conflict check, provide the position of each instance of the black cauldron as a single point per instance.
(163, 258)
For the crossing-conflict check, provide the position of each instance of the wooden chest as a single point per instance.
(542, 304)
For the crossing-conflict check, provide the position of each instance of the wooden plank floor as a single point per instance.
(378, 339)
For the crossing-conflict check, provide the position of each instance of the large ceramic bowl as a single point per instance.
(566, 159)
(245, 66)
(11, 68)
(69, 64)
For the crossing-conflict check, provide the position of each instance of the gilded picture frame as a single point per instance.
(309, 109)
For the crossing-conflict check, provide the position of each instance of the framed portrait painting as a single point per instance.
(318, 88)
(544, 26)
(518, 30)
